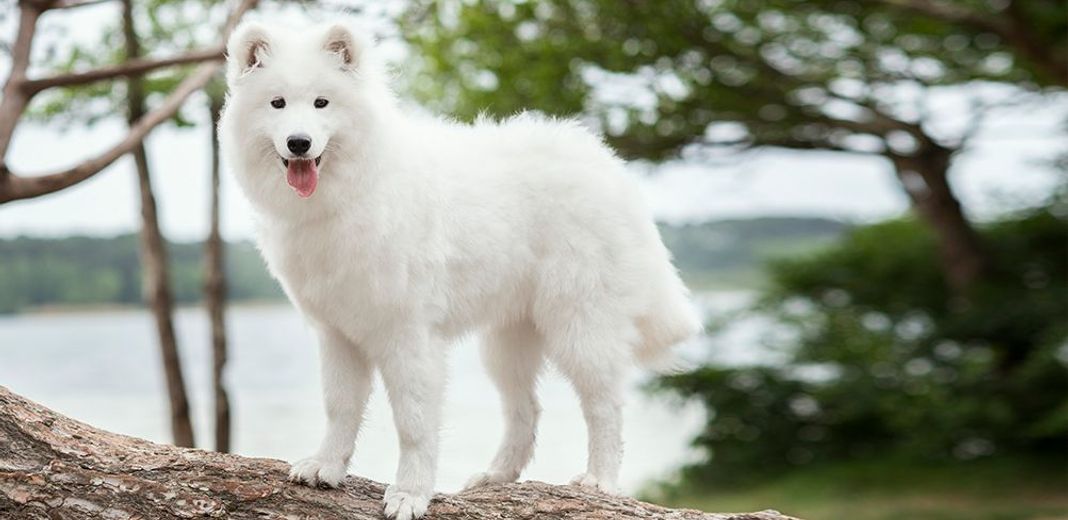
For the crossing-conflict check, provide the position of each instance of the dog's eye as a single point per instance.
(321, 102)
(278, 102)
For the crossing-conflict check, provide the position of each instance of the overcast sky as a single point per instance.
(1001, 171)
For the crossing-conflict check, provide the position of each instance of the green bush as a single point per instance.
(884, 360)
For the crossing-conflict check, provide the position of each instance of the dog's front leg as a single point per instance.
(347, 377)
(413, 372)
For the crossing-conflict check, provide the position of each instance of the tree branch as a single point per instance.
(948, 13)
(16, 187)
(52, 466)
(71, 4)
(134, 67)
(979, 111)
(1013, 28)
(806, 145)
(779, 82)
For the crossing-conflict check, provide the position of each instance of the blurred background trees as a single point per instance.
(879, 361)
(703, 76)
(929, 338)
(888, 379)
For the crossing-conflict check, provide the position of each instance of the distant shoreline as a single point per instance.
(78, 274)
(741, 280)
(89, 308)
(697, 287)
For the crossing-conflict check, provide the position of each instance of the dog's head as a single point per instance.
(295, 98)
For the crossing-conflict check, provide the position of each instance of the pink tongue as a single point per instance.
(302, 176)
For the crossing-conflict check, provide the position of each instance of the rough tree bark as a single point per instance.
(215, 288)
(52, 466)
(154, 263)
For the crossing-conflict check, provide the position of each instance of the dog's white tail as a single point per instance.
(672, 319)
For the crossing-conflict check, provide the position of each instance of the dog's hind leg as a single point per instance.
(513, 356)
(594, 361)
(347, 378)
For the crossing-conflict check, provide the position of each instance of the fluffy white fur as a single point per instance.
(421, 231)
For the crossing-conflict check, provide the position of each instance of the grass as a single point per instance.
(980, 490)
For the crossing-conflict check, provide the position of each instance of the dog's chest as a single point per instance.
(332, 278)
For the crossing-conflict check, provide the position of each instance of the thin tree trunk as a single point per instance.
(925, 177)
(155, 273)
(14, 99)
(215, 292)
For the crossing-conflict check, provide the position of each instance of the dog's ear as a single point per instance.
(248, 49)
(348, 49)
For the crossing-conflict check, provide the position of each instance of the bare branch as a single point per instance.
(71, 4)
(813, 145)
(130, 68)
(22, 187)
(750, 144)
(15, 187)
(235, 17)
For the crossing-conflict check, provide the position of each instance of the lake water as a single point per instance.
(102, 367)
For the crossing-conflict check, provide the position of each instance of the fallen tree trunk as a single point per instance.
(52, 466)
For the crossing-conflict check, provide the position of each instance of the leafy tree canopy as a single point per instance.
(164, 28)
(826, 74)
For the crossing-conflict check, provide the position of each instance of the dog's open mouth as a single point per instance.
(302, 175)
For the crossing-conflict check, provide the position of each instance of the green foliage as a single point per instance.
(671, 73)
(884, 359)
(164, 27)
(82, 270)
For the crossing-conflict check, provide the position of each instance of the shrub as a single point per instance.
(885, 360)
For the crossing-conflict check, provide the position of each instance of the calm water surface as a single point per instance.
(102, 367)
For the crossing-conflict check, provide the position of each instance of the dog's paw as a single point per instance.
(488, 477)
(313, 472)
(591, 481)
(401, 505)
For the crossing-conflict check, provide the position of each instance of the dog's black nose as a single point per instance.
(298, 143)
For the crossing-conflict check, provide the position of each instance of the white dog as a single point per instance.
(395, 234)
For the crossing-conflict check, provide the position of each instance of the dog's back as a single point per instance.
(593, 241)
